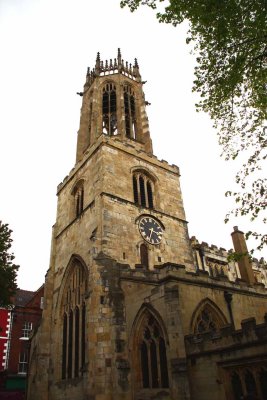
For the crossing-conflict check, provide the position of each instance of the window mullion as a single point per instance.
(149, 364)
(158, 362)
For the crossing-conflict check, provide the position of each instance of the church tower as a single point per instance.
(120, 221)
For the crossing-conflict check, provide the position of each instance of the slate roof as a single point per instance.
(22, 297)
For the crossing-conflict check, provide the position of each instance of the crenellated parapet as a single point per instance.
(217, 261)
(227, 337)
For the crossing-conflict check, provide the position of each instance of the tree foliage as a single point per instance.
(230, 44)
(8, 270)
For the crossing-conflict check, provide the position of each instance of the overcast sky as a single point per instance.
(46, 47)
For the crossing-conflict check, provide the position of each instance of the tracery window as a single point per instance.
(236, 386)
(142, 190)
(109, 109)
(263, 382)
(152, 354)
(73, 324)
(208, 318)
(129, 111)
(249, 382)
(78, 193)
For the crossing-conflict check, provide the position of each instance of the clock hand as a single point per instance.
(151, 231)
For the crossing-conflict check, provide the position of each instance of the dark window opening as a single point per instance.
(250, 384)
(129, 111)
(135, 189)
(109, 110)
(263, 383)
(142, 190)
(237, 387)
(79, 199)
(144, 365)
(83, 335)
(64, 347)
(153, 356)
(70, 345)
(163, 364)
(77, 342)
(154, 364)
(144, 255)
(149, 195)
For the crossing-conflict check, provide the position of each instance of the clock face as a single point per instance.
(151, 230)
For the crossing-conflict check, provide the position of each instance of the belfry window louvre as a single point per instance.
(74, 324)
(129, 111)
(109, 109)
(143, 190)
(153, 359)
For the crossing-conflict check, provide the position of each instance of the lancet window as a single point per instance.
(129, 111)
(78, 193)
(152, 354)
(143, 190)
(73, 323)
(109, 109)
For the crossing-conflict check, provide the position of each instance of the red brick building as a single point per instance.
(16, 326)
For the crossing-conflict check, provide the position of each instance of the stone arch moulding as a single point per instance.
(146, 171)
(146, 308)
(67, 273)
(217, 314)
(77, 183)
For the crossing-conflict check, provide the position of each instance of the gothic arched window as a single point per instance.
(129, 111)
(73, 325)
(109, 109)
(263, 382)
(207, 317)
(250, 384)
(143, 190)
(78, 193)
(236, 386)
(152, 358)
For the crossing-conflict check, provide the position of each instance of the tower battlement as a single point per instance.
(227, 336)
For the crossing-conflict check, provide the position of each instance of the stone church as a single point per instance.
(134, 309)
